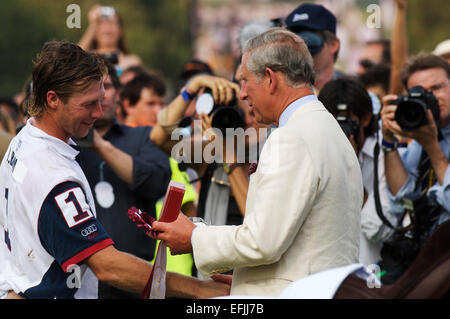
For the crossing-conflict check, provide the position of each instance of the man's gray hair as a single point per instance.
(252, 29)
(280, 50)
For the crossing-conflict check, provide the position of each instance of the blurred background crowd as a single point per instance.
(164, 43)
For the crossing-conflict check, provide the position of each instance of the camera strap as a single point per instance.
(376, 189)
(425, 179)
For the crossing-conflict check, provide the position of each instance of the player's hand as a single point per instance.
(12, 295)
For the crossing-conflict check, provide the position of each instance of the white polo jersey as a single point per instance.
(47, 219)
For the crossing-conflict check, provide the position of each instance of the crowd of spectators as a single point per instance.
(128, 156)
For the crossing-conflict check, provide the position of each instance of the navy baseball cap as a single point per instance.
(311, 16)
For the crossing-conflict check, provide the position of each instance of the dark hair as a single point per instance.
(112, 72)
(379, 74)
(135, 70)
(64, 68)
(329, 37)
(132, 90)
(348, 91)
(420, 62)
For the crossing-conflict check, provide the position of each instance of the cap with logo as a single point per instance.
(311, 17)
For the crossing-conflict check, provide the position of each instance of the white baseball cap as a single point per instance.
(442, 48)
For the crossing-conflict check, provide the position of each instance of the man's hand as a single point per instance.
(12, 295)
(176, 235)
(388, 117)
(222, 89)
(425, 135)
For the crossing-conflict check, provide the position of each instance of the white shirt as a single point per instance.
(47, 217)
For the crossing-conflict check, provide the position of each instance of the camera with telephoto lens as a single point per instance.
(412, 109)
(223, 115)
(348, 125)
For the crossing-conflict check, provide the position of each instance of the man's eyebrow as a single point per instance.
(239, 75)
(94, 100)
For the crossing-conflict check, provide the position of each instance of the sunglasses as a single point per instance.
(313, 41)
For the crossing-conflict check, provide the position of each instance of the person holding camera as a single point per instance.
(105, 35)
(220, 200)
(419, 180)
(349, 102)
(299, 218)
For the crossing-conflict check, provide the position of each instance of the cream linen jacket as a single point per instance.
(302, 211)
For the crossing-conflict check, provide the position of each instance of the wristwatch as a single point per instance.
(186, 95)
(389, 147)
(198, 221)
(228, 168)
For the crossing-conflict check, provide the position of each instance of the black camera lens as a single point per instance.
(412, 110)
(411, 114)
(223, 116)
(227, 117)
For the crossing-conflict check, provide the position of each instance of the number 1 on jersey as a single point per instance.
(73, 206)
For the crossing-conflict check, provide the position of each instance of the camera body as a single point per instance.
(347, 124)
(113, 58)
(412, 109)
(223, 116)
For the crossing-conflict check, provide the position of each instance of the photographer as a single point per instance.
(419, 180)
(224, 185)
(105, 35)
(349, 102)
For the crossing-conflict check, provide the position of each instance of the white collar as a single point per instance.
(62, 147)
(287, 113)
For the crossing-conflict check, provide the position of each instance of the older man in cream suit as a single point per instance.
(303, 204)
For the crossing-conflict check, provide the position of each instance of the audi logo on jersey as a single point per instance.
(89, 230)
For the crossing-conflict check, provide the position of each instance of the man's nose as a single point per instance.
(98, 112)
(243, 93)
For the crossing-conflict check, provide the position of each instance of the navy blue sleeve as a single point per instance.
(67, 228)
(151, 169)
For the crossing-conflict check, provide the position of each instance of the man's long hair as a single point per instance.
(65, 68)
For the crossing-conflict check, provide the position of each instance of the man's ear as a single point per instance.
(52, 99)
(271, 79)
(126, 105)
(334, 46)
